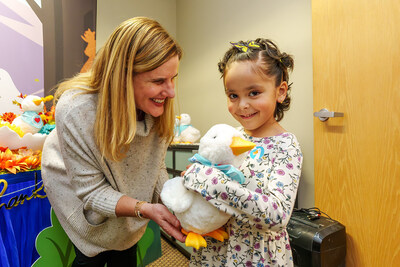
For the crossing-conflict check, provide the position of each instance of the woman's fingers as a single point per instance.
(174, 232)
(167, 221)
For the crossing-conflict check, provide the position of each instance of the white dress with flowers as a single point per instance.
(261, 206)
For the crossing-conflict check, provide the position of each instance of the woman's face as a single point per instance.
(152, 88)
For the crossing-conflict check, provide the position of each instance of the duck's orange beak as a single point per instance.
(37, 101)
(239, 145)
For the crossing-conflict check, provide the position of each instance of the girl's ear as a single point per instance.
(281, 92)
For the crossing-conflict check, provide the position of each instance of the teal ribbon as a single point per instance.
(179, 129)
(229, 170)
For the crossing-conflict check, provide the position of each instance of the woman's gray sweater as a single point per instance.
(79, 183)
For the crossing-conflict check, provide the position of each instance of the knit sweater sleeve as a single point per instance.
(268, 206)
(160, 181)
(82, 157)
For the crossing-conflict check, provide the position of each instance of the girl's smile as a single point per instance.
(248, 116)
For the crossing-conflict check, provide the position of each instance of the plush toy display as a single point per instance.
(22, 136)
(222, 147)
(30, 120)
(30, 129)
(184, 131)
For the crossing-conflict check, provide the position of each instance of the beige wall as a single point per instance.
(204, 29)
(111, 13)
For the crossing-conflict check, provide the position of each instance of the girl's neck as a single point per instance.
(272, 130)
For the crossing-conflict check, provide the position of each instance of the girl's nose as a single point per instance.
(243, 104)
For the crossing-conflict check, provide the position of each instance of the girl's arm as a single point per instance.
(268, 206)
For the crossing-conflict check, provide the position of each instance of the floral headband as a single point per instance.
(245, 46)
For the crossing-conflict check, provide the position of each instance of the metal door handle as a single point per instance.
(325, 114)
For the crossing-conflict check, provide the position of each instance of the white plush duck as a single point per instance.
(185, 132)
(221, 147)
(30, 121)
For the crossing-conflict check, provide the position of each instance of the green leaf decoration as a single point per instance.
(143, 244)
(56, 250)
(149, 246)
(54, 247)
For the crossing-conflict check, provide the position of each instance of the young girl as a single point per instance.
(255, 76)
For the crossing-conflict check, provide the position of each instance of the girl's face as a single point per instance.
(252, 98)
(152, 88)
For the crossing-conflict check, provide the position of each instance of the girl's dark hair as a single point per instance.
(273, 63)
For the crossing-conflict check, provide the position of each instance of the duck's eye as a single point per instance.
(215, 137)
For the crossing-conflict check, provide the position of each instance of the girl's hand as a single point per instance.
(187, 167)
(164, 218)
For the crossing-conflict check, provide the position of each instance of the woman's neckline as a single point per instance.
(140, 115)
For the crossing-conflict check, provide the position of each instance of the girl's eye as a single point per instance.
(232, 96)
(254, 93)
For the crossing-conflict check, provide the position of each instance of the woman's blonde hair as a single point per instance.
(137, 45)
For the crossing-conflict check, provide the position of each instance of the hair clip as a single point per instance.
(252, 44)
(245, 46)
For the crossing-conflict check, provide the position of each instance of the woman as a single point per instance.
(103, 167)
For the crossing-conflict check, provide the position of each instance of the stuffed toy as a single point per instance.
(30, 120)
(184, 131)
(222, 147)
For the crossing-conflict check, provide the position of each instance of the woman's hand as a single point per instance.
(164, 218)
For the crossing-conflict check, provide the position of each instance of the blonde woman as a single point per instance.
(103, 167)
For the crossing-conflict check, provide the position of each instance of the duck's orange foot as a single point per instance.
(218, 234)
(194, 240)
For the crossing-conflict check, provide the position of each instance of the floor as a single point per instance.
(171, 256)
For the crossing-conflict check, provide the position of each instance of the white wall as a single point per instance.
(204, 29)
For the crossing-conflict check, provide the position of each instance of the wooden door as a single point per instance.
(356, 70)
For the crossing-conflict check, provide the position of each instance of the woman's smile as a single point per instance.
(158, 101)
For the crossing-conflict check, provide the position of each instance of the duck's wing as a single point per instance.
(175, 196)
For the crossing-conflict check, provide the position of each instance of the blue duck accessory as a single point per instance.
(179, 129)
(229, 170)
(32, 118)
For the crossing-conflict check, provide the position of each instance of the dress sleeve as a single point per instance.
(268, 206)
(81, 158)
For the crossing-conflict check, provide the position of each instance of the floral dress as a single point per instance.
(261, 206)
